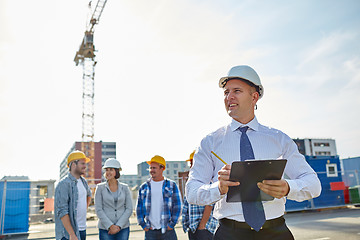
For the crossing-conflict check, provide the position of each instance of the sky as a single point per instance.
(157, 72)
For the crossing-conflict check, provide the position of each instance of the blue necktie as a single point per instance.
(253, 211)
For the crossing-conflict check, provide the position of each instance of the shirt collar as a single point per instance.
(72, 177)
(253, 124)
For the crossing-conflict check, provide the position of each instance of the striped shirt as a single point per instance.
(172, 205)
(192, 215)
(267, 143)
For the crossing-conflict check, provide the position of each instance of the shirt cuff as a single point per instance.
(293, 188)
(215, 192)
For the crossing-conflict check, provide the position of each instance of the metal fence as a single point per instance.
(28, 206)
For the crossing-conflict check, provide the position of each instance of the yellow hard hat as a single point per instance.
(191, 156)
(157, 159)
(76, 155)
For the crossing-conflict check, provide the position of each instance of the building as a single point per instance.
(102, 151)
(40, 191)
(132, 180)
(171, 172)
(351, 171)
(316, 147)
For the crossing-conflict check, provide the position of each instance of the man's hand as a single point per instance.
(73, 237)
(224, 182)
(201, 226)
(169, 228)
(147, 229)
(275, 188)
(114, 229)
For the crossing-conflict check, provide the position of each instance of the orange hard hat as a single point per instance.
(157, 159)
(191, 156)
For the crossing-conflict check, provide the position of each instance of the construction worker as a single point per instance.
(243, 139)
(72, 199)
(159, 204)
(197, 220)
(113, 204)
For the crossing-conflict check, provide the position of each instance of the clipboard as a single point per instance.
(249, 173)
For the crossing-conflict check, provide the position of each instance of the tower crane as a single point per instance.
(85, 56)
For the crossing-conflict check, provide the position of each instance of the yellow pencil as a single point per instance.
(219, 157)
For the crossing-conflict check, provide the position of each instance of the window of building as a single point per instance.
(109, 153)
(109, 146)
(43, 191)
(175, 171)
(331, 170)
(176, 165)
(321, 144)
(322, 153)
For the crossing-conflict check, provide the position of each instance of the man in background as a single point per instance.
(72, 198)
(159, 203)
(197, 220)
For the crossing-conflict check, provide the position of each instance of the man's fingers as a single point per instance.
(275, 188)
(273, 182)
(227, 167)
(224, 172)
(230, 183)
(223, 177)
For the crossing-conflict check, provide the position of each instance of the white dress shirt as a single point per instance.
(267, 143)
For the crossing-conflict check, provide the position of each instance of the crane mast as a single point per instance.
(85, 56)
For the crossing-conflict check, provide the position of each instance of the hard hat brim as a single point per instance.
(149, 162)
(224, 80)
(86, 160)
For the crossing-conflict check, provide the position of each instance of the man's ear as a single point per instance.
(255, 96)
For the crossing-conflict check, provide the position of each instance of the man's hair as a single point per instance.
(162, 166)
(70, 164)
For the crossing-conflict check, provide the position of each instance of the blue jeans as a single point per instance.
(157, 235)
(202, 234)
(82, 235)
(122, 235)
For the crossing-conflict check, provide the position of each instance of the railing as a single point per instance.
(24, 208)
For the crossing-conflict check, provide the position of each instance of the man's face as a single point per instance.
(155, 171)
(80, 167)
(240, 100)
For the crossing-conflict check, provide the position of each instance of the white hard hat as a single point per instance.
(112, 163)
(243, 72)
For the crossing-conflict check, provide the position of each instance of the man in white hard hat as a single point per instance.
(245, 138)
(72, 198)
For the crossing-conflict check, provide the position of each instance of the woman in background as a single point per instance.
(113, 204)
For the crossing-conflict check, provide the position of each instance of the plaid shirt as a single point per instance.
(192, 215)
(172, 205)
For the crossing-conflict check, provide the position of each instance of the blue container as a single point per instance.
(16, 217)
(351, 171)
(292, 206)
(327, 198)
